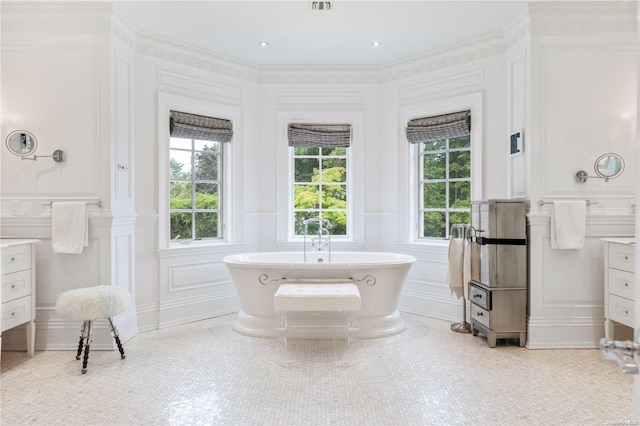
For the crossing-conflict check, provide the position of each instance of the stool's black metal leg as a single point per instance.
(114, 332)
(86, 347)
(82, 334)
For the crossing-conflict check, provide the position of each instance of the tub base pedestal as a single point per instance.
(368, 327)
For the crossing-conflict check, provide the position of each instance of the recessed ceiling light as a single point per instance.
(375, 43)
(263, 43)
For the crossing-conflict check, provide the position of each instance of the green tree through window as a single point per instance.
(320, 187)
(445, 185)
(195, 189)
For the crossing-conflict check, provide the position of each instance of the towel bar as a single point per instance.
(543, 202)
(98, 203)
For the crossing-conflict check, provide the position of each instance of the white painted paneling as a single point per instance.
(566, 294)
(53, 93)
(589, 108)
(516, 122)
(196, 275)
(573, 279)
(122, 127)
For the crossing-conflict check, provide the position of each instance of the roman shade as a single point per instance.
(319, 135)
(438, 127)
(192, 126)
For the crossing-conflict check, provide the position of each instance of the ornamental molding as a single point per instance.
(518, 30)
(539, 18)
(569, 18)
(184, 54)
(472, 50)
(49, 18)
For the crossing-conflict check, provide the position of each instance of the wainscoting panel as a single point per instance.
(194, 284)
(566, 287)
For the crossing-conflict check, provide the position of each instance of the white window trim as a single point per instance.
(355, 226)
(408, 191)
(231, 170)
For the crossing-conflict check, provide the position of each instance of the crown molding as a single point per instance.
(56, 18)
(569, 18)
(518, 30)
(475, 49)
(181, 53)
(540, 18)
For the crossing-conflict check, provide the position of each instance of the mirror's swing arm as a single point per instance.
(58, 156)
(582, 177)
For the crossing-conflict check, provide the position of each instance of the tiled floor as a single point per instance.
(206, 374)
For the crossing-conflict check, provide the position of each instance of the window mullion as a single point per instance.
(193, 189)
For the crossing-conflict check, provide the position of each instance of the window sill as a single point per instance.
(200, 247)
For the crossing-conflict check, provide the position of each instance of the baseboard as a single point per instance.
(423, 303)
(189, 310)
(564, 333)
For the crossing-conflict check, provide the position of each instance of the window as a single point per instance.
(444, 172)
(445, 185)
(320, 188)
(195, 162)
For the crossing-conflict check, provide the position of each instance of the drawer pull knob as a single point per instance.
(13, 259)
(479, 314)
(626, 284)
(13, 286)
(626, 312)
(477, 296)
(626, 258)
(13, 314)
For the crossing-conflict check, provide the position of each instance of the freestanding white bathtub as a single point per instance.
(379, 277)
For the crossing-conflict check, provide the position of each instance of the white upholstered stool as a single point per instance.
(91, 303)
(300, 297)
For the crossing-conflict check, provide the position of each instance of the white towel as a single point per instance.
(568, 224)
(466, 267)
(454, 274)
(69, 227)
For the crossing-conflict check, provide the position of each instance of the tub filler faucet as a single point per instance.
(624, 353)
(321, 242)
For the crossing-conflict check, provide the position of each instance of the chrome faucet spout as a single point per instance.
(322, 241)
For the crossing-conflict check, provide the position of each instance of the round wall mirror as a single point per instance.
(21, 143)
(609, 165)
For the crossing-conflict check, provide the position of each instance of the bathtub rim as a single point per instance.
(244, 260)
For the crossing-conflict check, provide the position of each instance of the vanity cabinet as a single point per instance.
(18, 295)
(619, 283)
(498, 286)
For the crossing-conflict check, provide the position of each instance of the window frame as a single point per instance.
(447, 180)
(286, 238)
(320, 157)
(409, 177)
(194, 181)
(230, 169)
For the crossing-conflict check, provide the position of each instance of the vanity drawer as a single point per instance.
(621, 310)
(480, 315)
(16, 258)
(16, 312)
(16, 285)
(480, 296)
(622, 256)
(621, 283)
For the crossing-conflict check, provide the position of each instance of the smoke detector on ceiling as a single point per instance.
(320, 5)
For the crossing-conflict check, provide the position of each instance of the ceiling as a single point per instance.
(298, 35)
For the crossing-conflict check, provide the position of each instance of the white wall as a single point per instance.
(520, 82)
(61, 86)
(581, 78)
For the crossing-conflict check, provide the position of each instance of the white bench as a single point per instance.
(317, 297)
